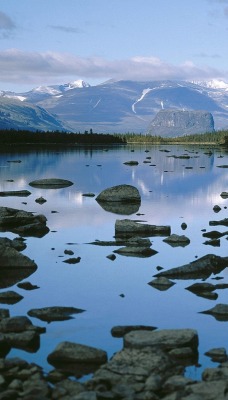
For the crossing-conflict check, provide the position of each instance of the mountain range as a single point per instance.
(112, 106)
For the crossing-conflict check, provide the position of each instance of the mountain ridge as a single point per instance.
(124, 105)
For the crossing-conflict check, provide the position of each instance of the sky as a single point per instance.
(46, 42)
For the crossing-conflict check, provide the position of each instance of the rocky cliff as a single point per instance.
(172, 123)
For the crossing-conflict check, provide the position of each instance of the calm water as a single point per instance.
(173, 191)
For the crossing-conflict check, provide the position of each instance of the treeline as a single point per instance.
(19, 137)
(217, 137)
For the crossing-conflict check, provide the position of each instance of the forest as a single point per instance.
(24, 137)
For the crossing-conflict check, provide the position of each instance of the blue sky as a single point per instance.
(45, 42)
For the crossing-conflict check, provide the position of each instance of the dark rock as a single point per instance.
(10, 257)
(111, 257)
(51, 183)
(20, 193)
(121, 330)
(213, 242)
(224, 195)
(68, 252)
(4, 313)
(77, 358)
(10, 297)
(49, 314)
(40, 200)
(73, 260)
(136, 251)
(131, 163)
(217, 355)
(22, 222)
(201, 287)
(223, 222)
(214, 234)
(129, 228)
(88, 194)
(161, 283)
(27, 286)
(183, 226)
(216, 208)
(219, 312)
(173, 123)
(177, 240)
(200, 268)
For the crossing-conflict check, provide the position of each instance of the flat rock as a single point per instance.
(166, 339)
(51, 183)
(77, 358)
(121, 330)
(223, 222)
(129, 228)
(49, 314)
(136, 251)
(200, 268)
(20, 193)
(214, 234)
(131, 163)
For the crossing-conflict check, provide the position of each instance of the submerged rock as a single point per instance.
(49, 314)
(200, 268)
(76, 358)
(129, 228)
(51, 183)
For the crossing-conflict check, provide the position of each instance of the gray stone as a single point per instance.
(166, 339)
(200, 268)
(219, 312)
(224, 195)
(11, 257)
(223, 222)
(174, 122)
(22, 222)
(49, 314)
(177, 240)
(120, 199)
(10, 297)
(130, 228)
(51, 183)
(217, 354)
(77, 358)
(121, 330)
(136, 251)
(161, 283)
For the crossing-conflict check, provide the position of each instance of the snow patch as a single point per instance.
(213, 84)
(144, 93)
(77, 84)
(46, 89)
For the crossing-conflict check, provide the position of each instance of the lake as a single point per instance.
(174, 189)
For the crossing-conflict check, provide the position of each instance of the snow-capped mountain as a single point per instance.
(127, 106)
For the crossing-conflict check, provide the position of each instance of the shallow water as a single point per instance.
(173, 190)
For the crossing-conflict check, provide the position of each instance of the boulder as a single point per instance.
(166, 339)
(10, 297)
(161, 283)
(77, 358)
(51, 183)
(121, 199)
(49, 314)
(130, 228)
(22, 222)
(11, 257)
(174, 122)
(200, 268)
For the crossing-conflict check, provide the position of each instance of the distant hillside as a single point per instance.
(15, 114)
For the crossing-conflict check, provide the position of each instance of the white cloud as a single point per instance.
(22, 67)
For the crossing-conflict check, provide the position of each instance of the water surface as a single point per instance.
(173, 190)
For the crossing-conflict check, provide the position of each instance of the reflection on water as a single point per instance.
(177, 184)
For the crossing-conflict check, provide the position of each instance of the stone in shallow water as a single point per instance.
(56, 313)
(51, 183)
